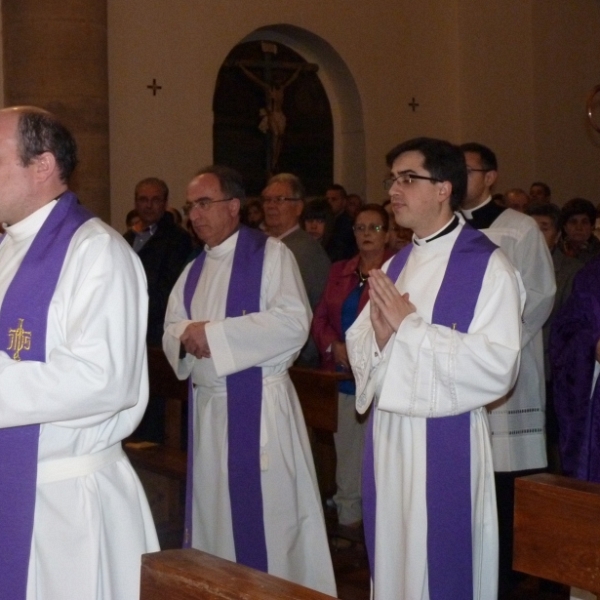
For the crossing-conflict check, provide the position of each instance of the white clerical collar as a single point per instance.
(226, 246)
(286, 233)
(423, 241)
(469, 212)
(31, 224)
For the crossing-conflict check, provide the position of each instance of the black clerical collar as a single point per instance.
(483, 216)
(450, 227)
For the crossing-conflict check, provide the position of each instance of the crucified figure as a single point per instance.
(273, 119)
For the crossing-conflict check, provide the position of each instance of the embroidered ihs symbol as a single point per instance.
(19, 340)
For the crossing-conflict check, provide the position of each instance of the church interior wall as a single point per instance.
(478, 72)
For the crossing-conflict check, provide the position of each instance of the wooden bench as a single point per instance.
(162, 468)
(195, 575)
(557, 530)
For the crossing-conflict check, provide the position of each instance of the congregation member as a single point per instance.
(283, 203)
(342, 243)
(437, 342)
(317, 220)
(548, 218)
(236, 320)
(345, 296)
(517, 199)
(162, 246)
(540, 193)
(517, 421)
(575, 359)
(578, 222)
(353, 204)
(74, 520)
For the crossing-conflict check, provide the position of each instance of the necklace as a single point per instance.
(361, 277)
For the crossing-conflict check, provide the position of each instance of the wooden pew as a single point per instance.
(162, 468)
(557, 530)
(195, 575)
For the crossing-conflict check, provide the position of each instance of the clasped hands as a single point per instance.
(388, 306)
(194, 339)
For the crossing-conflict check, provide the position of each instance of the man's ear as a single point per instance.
(44, 166)
(490, 178)
(235, 207)
(445, 190)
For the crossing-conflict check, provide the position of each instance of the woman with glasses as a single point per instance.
(346, 293)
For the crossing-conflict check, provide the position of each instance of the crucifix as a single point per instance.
(154, 87)
(413, 104)
(273, 120)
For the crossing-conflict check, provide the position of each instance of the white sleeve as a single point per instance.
(176, 322)
(276, 333)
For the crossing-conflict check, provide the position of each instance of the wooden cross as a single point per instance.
(413, 104)
(273, 119)
(154, 87)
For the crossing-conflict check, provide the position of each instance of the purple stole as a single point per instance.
(24, 320)
(448, 488)
(244, 404)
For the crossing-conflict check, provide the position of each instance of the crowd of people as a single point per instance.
(465, 324)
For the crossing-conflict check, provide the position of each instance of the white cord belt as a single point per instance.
(60, 469)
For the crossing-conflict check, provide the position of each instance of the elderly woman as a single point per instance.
(345, 296)
(578, 221)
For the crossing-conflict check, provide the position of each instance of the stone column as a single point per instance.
(55, 57)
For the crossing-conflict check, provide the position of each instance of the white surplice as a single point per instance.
(427, 371)
(89, 530)
(297, 547)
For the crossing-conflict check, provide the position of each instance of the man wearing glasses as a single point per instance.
(438, 341)
(236, 320)
(283, 203)
(517, 422)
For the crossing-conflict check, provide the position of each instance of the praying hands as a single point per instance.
(388, 306)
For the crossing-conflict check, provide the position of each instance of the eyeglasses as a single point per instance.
(369, 227)
(469, 170)
(405, 179)
(278, 200)
(202, 204)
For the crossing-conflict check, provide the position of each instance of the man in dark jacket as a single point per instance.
(163, 248)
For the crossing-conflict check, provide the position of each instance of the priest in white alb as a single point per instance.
(438, 341)
(74, 520)
(236, 320)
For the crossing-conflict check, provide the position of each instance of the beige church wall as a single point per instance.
(477, 70)
(182, 44)
(567, 67)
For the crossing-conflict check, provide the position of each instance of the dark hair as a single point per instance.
(546, 210)
(443, 160)
(319, 210)
(230, 181)
(337, 188)
(292, 180)
(488, 158)
(377, 208)
(578, 206)
(131, 215)
(543, 185)
(40, 131)
(159, 183)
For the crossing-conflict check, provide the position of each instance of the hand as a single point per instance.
(383, 332)
(194, 339)
(340, 354)
(390, 305)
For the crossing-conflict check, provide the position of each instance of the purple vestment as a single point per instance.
(448, 487)
(244, 404)
(23, 321)
(574, 335)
